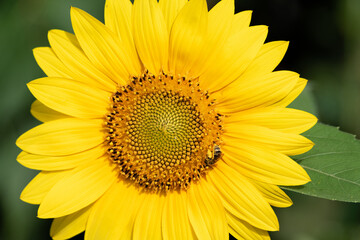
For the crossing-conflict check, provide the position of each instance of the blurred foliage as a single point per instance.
(324, 47)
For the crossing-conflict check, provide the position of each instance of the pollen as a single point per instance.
(159, 131)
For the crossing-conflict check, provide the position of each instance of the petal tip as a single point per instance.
(273, 224)
(19, 142)
(264, 27)
(303, 179)
(52, 32)
(289, 202)
(303, 81)
(306, 177)
(20, 156)
(75, 12)
(248, 12)
(23, 197)
(74, 9)
(37, 50)
(43, 214)
(31, 86)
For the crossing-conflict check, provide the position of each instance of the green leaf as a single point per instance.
(333, 165)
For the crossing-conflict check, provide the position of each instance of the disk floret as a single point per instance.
(160, 130)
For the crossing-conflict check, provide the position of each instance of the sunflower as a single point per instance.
(166, 122)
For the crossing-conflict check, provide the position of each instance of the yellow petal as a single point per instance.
(233, 30)
(264, 165)
(241, 21)
(45, 114)
(187, 37)
(238, 52)
(295, 92)
(37, 189)
(50, 63)
(148, 220)
(62, 137)
(266, 60)
(242, 230)
(175, 221)
(282, 119)
(219, 26)
(102, 47)
(68, 50)
(113, 215)
(220, 20)
(206, 212)
(150, 35)
(84, 185)
(241, 198)
(70, 225)
(55, 163)
(71, 97)
(286, 143)
(264, 91)
(118, 19)
(273, 194)
(170, 10)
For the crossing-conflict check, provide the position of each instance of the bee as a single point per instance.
(213, 156)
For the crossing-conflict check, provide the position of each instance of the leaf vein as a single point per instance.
(323, 154)
(331, 175)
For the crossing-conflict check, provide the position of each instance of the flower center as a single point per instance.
(162, 132)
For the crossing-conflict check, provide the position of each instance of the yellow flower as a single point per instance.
(167, 122)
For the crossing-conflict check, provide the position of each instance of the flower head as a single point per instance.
(166, 122)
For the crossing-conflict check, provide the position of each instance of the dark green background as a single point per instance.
(324, 47)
